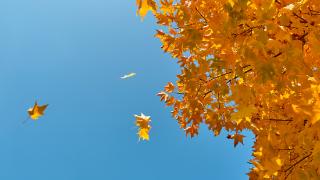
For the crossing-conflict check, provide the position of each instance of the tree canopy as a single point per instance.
(247, 64)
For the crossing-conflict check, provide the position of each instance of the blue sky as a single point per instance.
(71, 54)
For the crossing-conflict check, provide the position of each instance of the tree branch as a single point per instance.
(293, 165)
(277, 54)
(302, 20)
(205, 19)
(186, 25)
(247, 30)
(235, 77)
(284, 120)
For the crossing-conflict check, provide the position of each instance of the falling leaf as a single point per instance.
(128, 75)
(36, 111)
(142, 122)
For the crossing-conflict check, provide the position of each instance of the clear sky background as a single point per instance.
(71, 54)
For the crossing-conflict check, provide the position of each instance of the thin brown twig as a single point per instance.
(223, 74)
(274, 119)
(293, 165)
(205, 19)
(186, 25)
(248, 30)
(285, 149)
(301, 18)
(236, 76)
(277, 54)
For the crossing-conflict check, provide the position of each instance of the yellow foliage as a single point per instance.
(36, 111)
(248, 64)
(144, 6)
(143, 123)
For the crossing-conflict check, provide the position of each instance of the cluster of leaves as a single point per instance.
(248, 64)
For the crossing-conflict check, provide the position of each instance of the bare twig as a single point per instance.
(293, 165)
(205, 19)
(274, 119)
(236, 76)
(302, 20)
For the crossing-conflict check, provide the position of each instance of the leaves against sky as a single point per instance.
(247, 65)
(143, 123)
(36, 111)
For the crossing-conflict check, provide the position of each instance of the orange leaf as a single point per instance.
(163, 96)
(169, 87)
(143, 123)
(36, 111)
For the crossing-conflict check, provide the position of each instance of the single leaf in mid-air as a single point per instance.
(128, 75)
(142, 122)
(36, 111)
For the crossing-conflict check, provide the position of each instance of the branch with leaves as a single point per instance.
(264, 76)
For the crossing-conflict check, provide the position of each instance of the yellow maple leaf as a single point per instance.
(143, 134)
(240, 81)
(244, 113)
(36, 111)
(166, 6)
(144, 6)
(142, 122)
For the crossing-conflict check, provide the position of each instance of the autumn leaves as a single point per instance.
(144, 6)
(247, 64)
(37, 111)
(142, 121)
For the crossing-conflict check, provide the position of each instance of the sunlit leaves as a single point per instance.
(143, 123)
(237, 138)
(316, 153)
(169, 87)
(248, 64)
(163, 96)
(243, 114)
(37, 111)
(144, 6)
